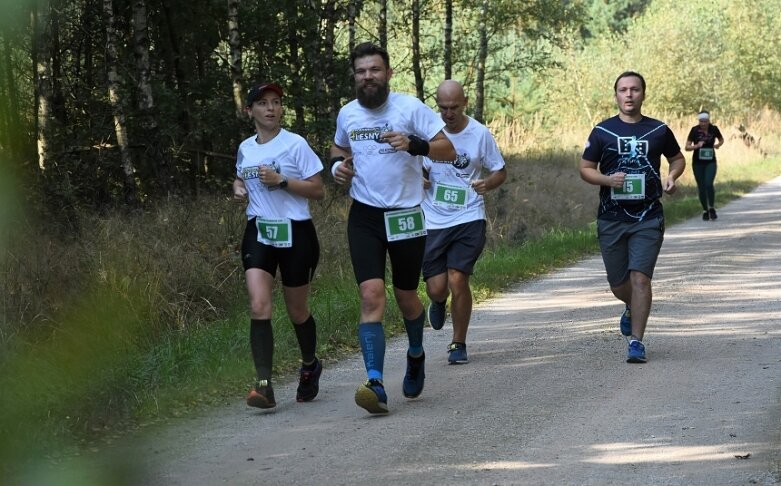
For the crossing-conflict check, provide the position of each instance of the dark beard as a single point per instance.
(375, 100)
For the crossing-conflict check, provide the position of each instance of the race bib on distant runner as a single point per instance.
(706, 154)
(275, 232)
(404, 224)
(634, 188)
(450, 197)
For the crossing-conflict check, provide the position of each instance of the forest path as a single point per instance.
(547, 397)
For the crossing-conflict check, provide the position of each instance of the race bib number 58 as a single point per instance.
(404, 224)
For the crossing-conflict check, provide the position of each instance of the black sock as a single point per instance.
(261, 341)
(306, 333)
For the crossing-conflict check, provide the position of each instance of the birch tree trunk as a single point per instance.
(448, 61)
(154, 155)
(114, 80)
(146, 101)
(58, 98)
(40, 20)
(352, 12)
(10, 106)
(327, 50)
(481, 58)
(416, 50)
(295, 64)
(237, 73)
(382, 27)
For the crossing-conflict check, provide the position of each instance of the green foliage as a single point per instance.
(715, 55)
(754, 39)
(611, 17)
(72, 380)
(681, 58)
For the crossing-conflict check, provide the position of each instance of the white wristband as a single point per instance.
(334, 167)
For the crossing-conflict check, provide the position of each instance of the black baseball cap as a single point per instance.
(257, 90)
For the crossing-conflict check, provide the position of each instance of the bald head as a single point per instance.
(450, 89)
(451, 101)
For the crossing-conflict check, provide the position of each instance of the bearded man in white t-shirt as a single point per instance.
(379, 145)
(455, 214)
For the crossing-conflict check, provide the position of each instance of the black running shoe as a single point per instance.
(416, 375)
(262, 396)
(309, 382)
(437, 313)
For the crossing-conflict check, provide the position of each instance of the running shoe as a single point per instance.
(416, 375)
(262, 396)
(456, 353)
(712, 214)
(636, 352)
(437, 312)
(705, 215)
(371, 396)
(309, 382)
(626, 322)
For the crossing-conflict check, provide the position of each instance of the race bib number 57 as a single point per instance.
(275, 232)
(404, 224)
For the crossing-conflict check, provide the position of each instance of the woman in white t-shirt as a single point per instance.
(277, 173)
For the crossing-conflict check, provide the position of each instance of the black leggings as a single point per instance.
(705, 174)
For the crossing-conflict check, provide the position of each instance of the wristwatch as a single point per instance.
(283, 183)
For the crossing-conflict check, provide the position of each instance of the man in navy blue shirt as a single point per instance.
(623, 156)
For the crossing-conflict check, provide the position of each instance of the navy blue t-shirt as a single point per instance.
(632, 148)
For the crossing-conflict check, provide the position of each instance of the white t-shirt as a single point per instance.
(384, 177)
(476, 149)
(289, 155)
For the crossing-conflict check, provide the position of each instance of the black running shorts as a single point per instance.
(296, 264)
(369, 244)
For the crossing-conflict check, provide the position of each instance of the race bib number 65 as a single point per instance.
(404, 224)
(450, 197)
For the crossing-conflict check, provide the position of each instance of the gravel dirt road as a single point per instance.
(547, 397)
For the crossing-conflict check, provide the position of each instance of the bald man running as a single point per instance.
(455, 214)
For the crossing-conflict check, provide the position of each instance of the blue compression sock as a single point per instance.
(372, 338)
(415, 334)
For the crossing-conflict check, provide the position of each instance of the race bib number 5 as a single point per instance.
(275, 232)
(404, 224)
(634, 188)
(450, 197)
